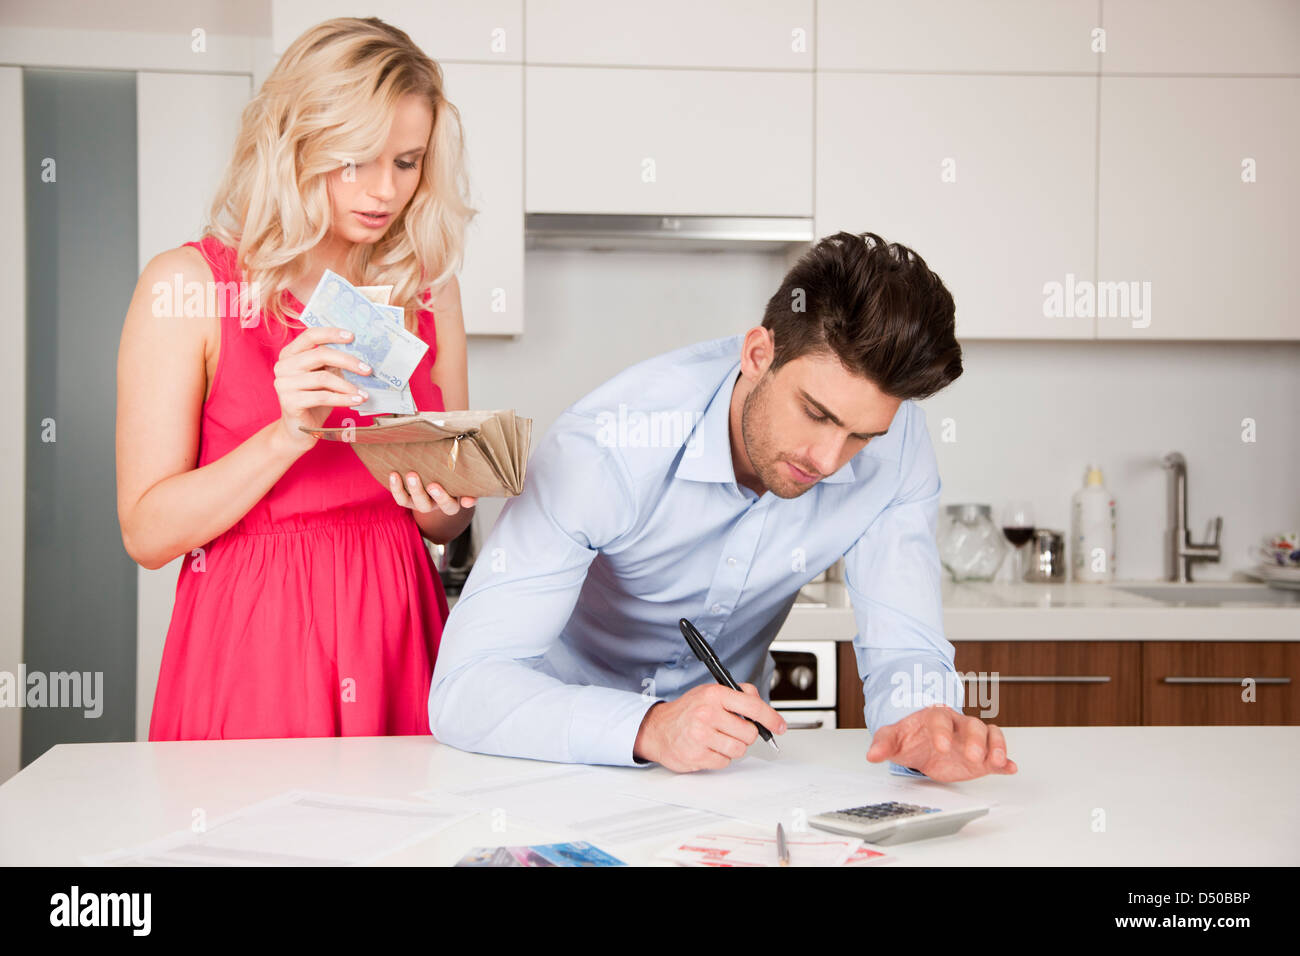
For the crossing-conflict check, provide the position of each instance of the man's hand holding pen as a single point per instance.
(701, 730)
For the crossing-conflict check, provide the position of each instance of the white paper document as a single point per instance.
(748, 846)
(591, 802)
(609, 806)
(783, 790)
(297, 828)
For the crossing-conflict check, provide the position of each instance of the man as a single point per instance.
(712, 483)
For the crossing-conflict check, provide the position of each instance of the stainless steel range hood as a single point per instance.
(545, 230)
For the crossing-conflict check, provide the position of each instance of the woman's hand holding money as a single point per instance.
(306, 385)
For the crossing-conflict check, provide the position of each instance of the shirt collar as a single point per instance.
(707, 455)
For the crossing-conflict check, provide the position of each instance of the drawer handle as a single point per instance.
(1038, 679)
(804, 725)
(1224, 680)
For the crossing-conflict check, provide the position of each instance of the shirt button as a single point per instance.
(717, 609)
(731, 562)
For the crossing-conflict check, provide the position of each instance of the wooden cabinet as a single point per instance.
(734, 34)
(1115, 683)
(849, 701)
(991, 179)
(1054, 683)
(1196, 682)
(1040, 683)
(1198, 204)
(688, 142)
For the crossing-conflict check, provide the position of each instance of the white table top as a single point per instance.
(1171, 795)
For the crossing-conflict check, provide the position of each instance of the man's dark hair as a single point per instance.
(876, 306)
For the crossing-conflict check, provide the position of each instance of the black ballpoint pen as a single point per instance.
(700, 648)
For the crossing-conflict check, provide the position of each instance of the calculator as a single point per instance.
(892, 822)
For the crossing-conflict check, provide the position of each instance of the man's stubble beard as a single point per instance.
(758, 447)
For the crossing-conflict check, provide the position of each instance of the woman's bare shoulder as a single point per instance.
(167, 290)
(183, 261)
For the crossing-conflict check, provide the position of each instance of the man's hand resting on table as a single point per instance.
(943, 744)
(700, 729)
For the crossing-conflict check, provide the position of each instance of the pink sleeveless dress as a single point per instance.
(318, 613)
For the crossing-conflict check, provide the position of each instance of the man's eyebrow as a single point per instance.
(831, 415)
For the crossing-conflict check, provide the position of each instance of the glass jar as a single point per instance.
(971, 546)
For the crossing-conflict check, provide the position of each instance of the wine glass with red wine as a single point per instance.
(1017, 521)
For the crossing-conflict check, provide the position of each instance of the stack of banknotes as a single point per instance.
(379, 338)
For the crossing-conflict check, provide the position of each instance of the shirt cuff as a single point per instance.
(637, 761)
(904, 771)
(604, 725)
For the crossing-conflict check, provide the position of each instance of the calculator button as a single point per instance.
(885, 811)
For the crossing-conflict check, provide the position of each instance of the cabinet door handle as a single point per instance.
(804, 725)
(1224, 680)
(1038, 679)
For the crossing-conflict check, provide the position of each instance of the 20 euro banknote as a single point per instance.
(391, 351)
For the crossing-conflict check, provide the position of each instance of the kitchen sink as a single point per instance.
(1212, 595)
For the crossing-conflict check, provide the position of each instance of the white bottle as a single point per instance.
(1092, 530)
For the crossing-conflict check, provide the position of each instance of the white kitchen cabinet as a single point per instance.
(1202, 36)
(186, 124)
(482, 30)
(989, 178)
(958, 36)
(1179, 213)
(490, 100)
(740, 34)
(689, 142)
(181, 168)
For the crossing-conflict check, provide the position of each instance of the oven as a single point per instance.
(803, 683)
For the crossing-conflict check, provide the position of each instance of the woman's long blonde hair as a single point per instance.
(329, 101)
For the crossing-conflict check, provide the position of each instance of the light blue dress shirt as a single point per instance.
(631, 517)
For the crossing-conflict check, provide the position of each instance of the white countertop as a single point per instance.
(1170, 795)
(979, 611)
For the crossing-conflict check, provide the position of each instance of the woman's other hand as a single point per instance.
(425, 498)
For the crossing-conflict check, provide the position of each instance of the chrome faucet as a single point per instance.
(1180, 551)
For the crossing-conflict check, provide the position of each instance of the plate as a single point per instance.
(1277, 576)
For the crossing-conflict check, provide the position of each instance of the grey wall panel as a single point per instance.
(80, 585)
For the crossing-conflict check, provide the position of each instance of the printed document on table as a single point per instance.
(787, 791)
(585, 800)
(749, 846)
(297, 828)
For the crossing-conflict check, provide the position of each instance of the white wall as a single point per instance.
(1029, 415)
(591, 315)
(185, 123)
(13, 394)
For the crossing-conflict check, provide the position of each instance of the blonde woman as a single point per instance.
(307, 604)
